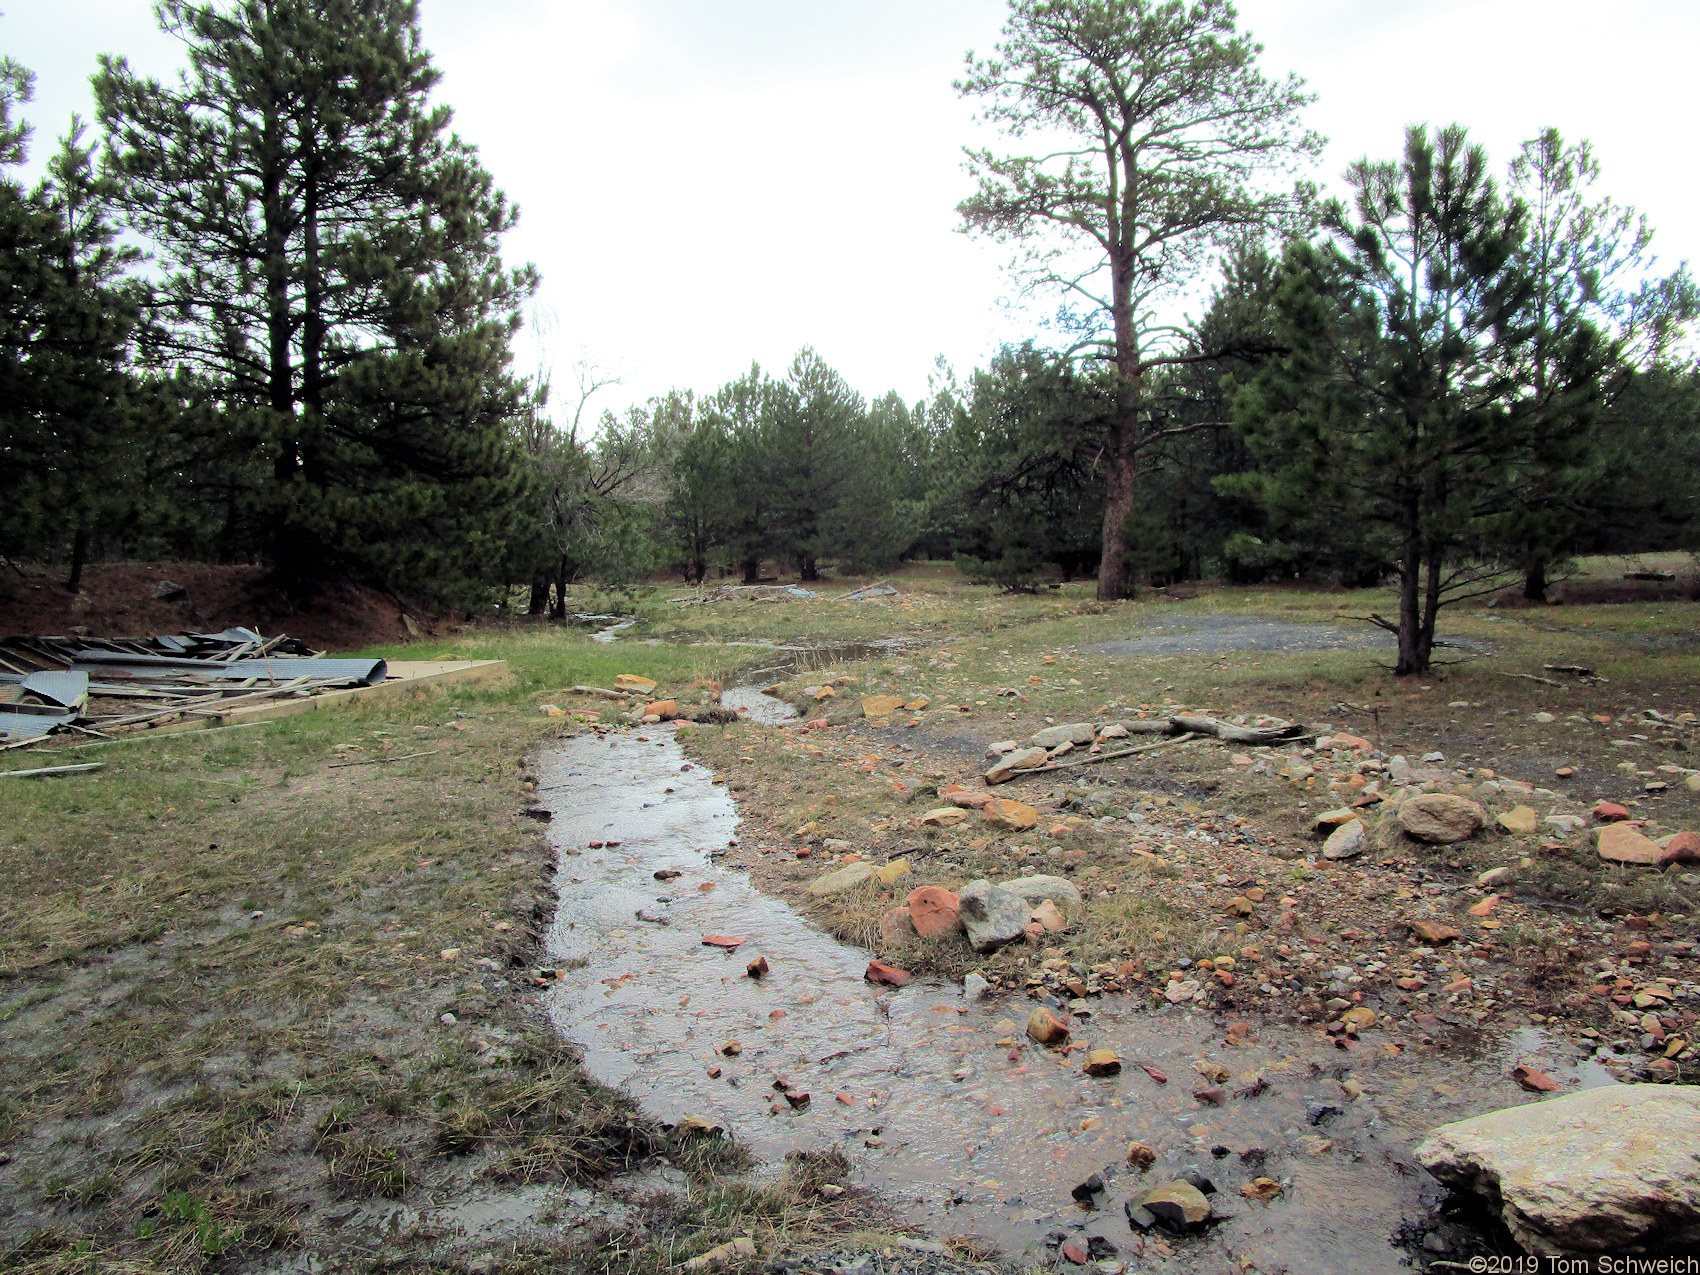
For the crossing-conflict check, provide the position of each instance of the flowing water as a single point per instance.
(963, 1134)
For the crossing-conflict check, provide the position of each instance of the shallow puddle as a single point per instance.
(960, 1133)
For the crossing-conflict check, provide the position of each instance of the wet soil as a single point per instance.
(1221, 634)
(1227, 634)
(945, 1108)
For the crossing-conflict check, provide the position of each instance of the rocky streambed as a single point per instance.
(946, 1108)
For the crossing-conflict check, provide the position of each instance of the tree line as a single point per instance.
(264, 316)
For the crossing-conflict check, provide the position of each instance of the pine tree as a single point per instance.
(1158, 133)
(331, 271)
(1020, 492)
(1398, 407)
(813, 421)
(1588, 260)
(65, 323)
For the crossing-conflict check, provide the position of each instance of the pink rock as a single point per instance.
(1684, 847)
(1624, 843)
(880, 972)
(933, 911)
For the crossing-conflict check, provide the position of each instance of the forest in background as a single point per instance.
(260, 314)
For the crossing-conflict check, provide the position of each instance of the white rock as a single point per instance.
(1346, 841)
(992, 917)
(1021, 759)
(1598, 1169)
(841, 879)
(1185, 990)
(1036, 889)
(974, 987)
(1070, 733)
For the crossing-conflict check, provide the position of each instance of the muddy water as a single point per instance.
(961, 1133)
(759, 707)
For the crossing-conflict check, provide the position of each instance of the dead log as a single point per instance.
(1228, 733)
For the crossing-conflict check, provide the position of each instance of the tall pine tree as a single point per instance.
(331, 272)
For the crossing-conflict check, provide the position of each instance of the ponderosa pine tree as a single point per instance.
(330, 270)
(813, 442)
(1156, 132)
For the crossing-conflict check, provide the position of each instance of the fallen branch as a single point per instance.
(45, 771)
(1532, 677)
(380, 761)
(1088, 759)
(1577, 669)
(597, 690)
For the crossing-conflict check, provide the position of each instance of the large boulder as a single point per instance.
(1442, 818)
(992, 917)
(1035, 890)
(1598, 1169)
(1072, 733)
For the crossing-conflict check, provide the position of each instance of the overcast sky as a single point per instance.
(709, 182)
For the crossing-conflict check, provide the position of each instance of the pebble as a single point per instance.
(1046, 1028)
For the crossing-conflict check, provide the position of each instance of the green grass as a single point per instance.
(180, 1075)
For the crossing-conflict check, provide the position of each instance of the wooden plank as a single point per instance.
(42, 772)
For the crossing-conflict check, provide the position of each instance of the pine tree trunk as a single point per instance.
(559, 610)
(752, 570)
(1118, 504)
(1431, 611)
(1410, 583)
(539, 594)
(79, 556)
(1119, 453)
(809, 569)
(1535, 580)
(289, 554)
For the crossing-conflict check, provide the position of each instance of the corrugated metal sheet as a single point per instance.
(68, 690)
(15, 726)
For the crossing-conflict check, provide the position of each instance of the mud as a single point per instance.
(1222, 634)
(961, 1133)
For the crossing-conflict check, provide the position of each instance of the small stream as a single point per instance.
(962, 1134)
